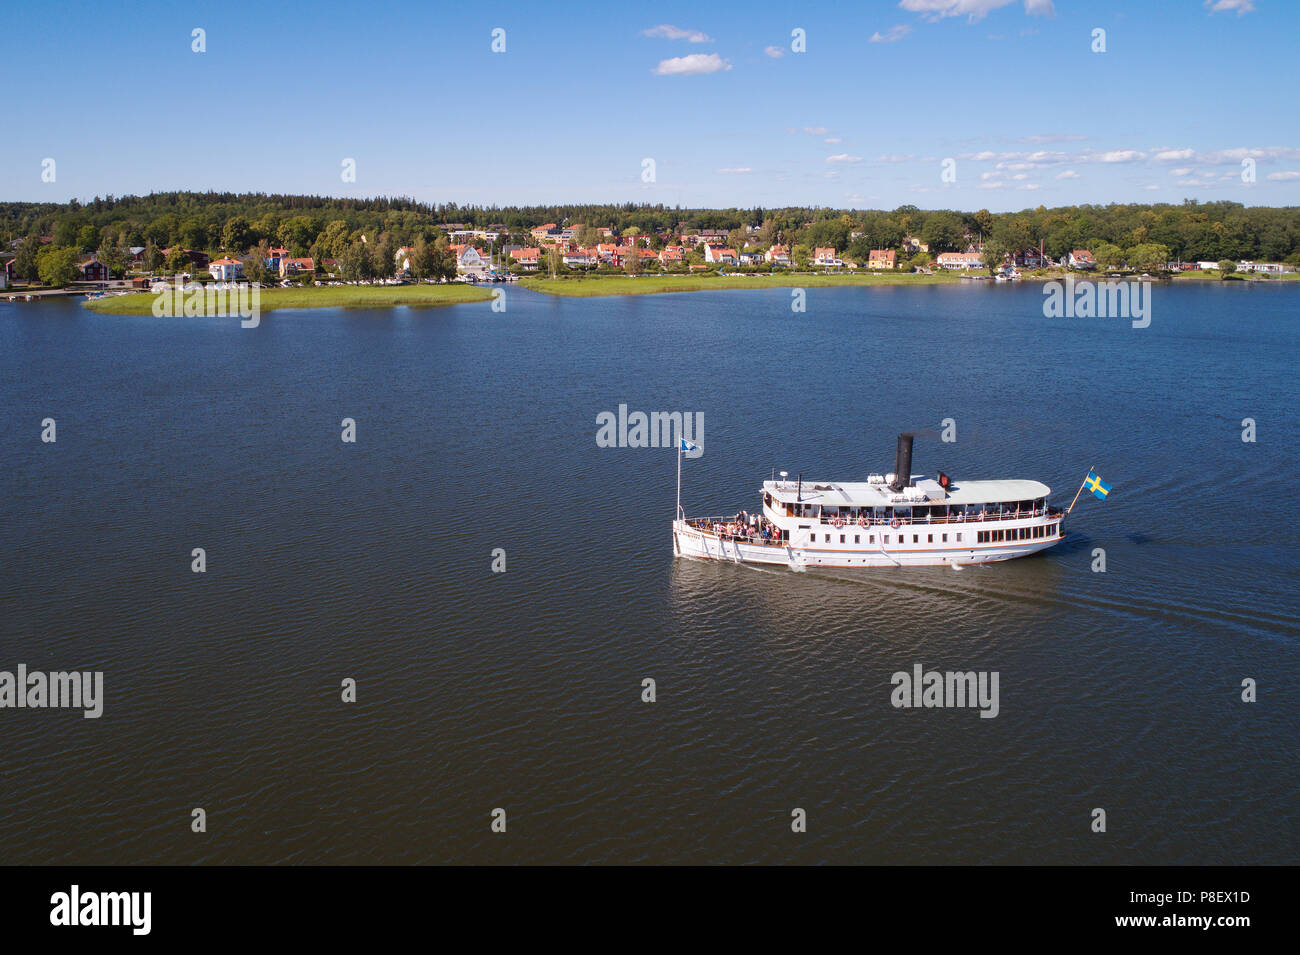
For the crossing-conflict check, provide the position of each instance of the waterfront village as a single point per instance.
(495, 253)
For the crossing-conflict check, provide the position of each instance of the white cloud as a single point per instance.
(991, 185)
(972, 9)
(892, 35)
(1241, 6)
(1029, 186)
(667, 31)
(1235, 156)
(775, 52)
(1068, 174)
(816, 130)
(843, 157)
(890, 157)
(1119, 155)
(1283, 176)
(691, 65)
(1151, 188)
(832, 140)
(733, 171)
(1182, 171)
(1227, 157)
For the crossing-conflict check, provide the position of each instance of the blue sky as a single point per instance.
(1010, 90)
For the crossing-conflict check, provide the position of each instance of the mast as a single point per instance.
(1078, 492)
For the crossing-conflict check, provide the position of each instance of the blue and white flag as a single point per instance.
(687, 446)
(1099, 488)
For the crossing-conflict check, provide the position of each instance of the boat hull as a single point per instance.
(692, 543)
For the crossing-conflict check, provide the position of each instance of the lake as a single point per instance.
(476, 430)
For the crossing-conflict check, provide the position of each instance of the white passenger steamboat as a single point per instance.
(890, 520)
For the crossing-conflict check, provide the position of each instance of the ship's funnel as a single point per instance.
(902, 463)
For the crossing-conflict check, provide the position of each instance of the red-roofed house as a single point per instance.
(1082, 259)
(826, 258)
(720, 254)
(882, 259)
(778, 255)
(527, 258)
(226, 270)
(581, 259)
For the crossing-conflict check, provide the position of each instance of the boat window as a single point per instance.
(958, 538)
(929, 538)
(945, 539)
(857, 538)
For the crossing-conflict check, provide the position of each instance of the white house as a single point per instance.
(226, 270)
(960, 260)
(719, 254)
(778, 255)
(470, 261)
(825, 257)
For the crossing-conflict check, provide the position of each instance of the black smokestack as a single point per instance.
(903, 462)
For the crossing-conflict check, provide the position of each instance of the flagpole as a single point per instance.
(678, 515)
(1067, 510)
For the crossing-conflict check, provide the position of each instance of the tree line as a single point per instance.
(360, 233)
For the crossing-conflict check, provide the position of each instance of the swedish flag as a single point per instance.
(1097, 486)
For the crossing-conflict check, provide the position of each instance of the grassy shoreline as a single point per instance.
(346, 296)
(431, 296)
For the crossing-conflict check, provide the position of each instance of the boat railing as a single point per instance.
(727, 528)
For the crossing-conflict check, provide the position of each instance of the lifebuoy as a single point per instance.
(838, 522)
(896, 523)
(862, 522)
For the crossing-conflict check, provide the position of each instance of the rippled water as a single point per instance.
(476, 430)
